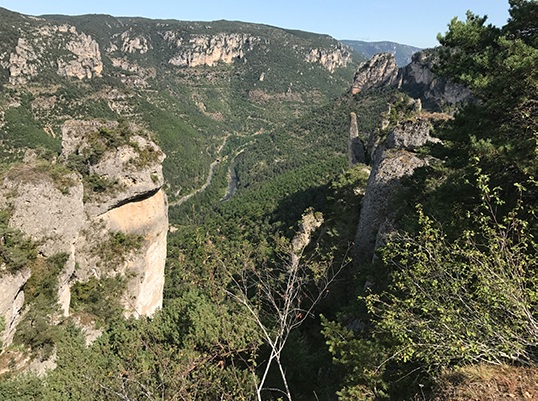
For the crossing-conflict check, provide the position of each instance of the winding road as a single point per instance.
(203, 187)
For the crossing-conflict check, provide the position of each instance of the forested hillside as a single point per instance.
(193, 84)
(267, 293)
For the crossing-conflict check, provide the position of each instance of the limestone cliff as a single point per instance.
(134, 205)
(11, 301)
(416, 78)
(393, 157)
(208, 50)
(380, 71)
(338, 56)
(47, 212)
(60, 211)
(73, 54)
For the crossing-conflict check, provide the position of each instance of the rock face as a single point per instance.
(309, 223)
(208, 50)
(416, 78)
(62, 216)
(137, 206)
(75, 55)
(339, 57)
(11, 301)
(356, 153)
(392, 159)
(149, 218)
(138, 75)
(51, 215)
(380, 71)
(88, 58)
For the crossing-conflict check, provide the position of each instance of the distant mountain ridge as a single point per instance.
(191, 83)
(402, 53)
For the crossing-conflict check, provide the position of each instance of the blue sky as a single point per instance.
(414, 22)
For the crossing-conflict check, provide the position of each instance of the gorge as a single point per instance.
(227, 210)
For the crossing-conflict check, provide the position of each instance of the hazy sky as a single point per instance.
(414, 22)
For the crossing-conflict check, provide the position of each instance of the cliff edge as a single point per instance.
(101, 204)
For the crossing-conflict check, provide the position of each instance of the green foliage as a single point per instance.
(470, 300)
(37, 329)
(22, 130)
(57, 172)
(499, 65)
(459, 288)
(16, 251)
(362, 358)
(195, 347)
(24, 387)
(99, 298)
(95, 183)
(117, 247)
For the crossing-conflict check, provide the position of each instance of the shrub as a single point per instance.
(471, 300)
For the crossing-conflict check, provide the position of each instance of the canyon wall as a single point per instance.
(62, 214)
(416, 79)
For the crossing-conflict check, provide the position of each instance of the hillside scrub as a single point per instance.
(456, 286)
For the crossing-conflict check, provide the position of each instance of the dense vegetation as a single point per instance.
(249, 313)
(458, 287)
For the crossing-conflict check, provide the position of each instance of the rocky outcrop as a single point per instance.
(380, 71)
(136, 206)
(134, 44)
(416, 78)
(309, 223)
(121, 164)
(148, 218)
(59, 212)
(11, 301)
(338, 57)
(49, 212)
(74, 55)
(393, 157)
(21, 62)
(137, 76)
(356, 151)
(87, 63)
(209, 50)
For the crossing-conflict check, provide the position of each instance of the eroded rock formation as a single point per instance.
(380, 71)
(208, 50)
(415, 79)
(61, 214)
(338, 57)
(356, 151)
(418, 79)
(11, 301)
(75, 54)
(393, 157)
